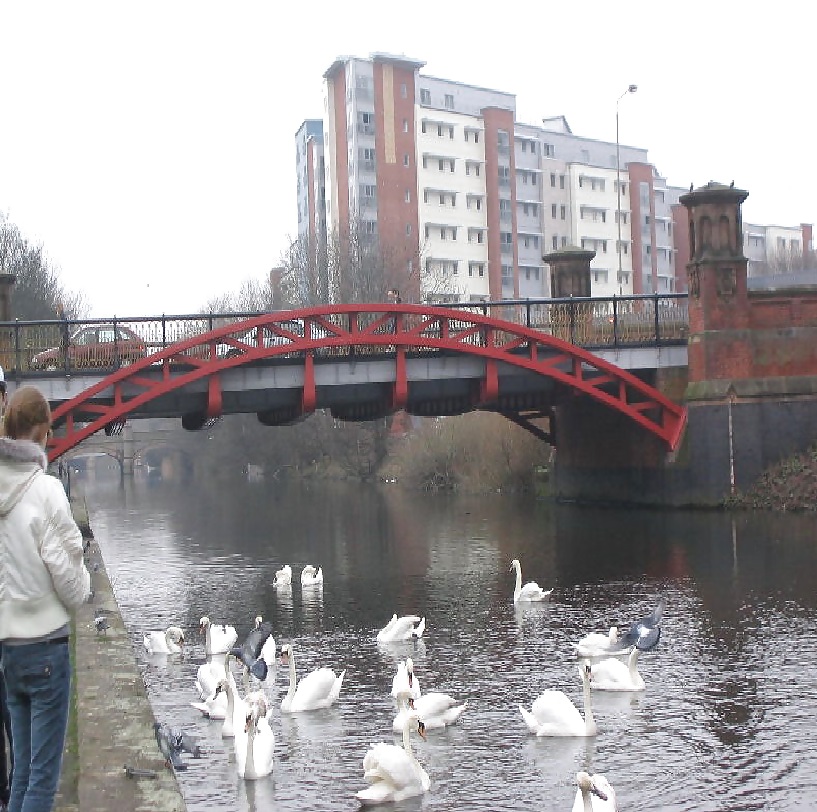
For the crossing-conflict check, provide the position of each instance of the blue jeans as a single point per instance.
(38, 689)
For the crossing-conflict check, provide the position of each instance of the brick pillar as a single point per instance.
(716, 279)
(569, 272)
(7, 281)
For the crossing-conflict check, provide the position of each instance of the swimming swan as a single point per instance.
(399, 629)
(531, 591)
(236, 708)
(437, 710)
(405, 683)
(318, 689)
(615, 675)
(283, 576)
(208, 675)
(597, 644)
(254, 740)
(594, 794)
(170, 641)
(393, 773)
(218, 638)
(311, 576)
(553, 714)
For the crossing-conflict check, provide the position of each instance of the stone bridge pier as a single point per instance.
(750, 388)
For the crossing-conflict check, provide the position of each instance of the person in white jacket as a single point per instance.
(43, 578)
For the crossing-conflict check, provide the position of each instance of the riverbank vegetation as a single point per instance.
(791, 485)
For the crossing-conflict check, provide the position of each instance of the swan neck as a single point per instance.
(587, 801)
(588, 707)
(293, 679)
(518, 578)
(407, 738)
(632, 662)
(249, 767)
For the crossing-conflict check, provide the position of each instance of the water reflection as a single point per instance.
(726, 695)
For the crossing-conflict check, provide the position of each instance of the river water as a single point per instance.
(725, 723)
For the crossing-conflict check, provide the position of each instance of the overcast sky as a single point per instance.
(150, 145)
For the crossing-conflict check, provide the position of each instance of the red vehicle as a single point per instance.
(94, 346)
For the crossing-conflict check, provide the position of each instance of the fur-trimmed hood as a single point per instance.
(20, 462)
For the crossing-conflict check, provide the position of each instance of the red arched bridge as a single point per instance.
(360, 361)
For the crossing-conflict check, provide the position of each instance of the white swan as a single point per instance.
(597, 644)
(170, 641)
(208, 675)
(236, 710)
(615, 675)
(531, 591)
(283, 577)
(393, 773)
(255, 741)
(218, 638)
(405, 683)
(594, 794)
(437, 710)
(318, 689)
(311, 576)
(398, 629)
(213, 706)
(553, 714)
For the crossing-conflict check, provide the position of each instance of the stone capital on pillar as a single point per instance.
(716, 279)
(569, 271)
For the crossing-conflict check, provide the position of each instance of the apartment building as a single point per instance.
(776, 248)
(466, 201)
(310, 170)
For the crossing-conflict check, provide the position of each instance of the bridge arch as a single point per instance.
(357, 333)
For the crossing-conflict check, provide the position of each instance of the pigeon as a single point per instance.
(183, 742)
(645, 633)
(249, 652)
(101, 624)
(167, 746)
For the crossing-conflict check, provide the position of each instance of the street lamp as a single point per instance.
(630, 89)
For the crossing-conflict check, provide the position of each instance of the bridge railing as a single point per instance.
(107, 344)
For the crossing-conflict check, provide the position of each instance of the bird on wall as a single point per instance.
(732, 185)
(691, 185)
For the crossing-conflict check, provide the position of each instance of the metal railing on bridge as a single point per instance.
(31, 347)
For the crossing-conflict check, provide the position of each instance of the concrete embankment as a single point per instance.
(111, 725)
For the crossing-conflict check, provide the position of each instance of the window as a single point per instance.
(408, 195)
(472, 168)
(425, 96)
(441, 162)
(449, 101)
(405, 125)
(403, 91)
(439, 129)
(564, 241)
(553, 179)
(554, 242)
(406, 160)
(563, 212)
(451, 132)
(553, 208)
(548, 150)
(561, 181)
(422, 126)
(408, 229)
(442, 198)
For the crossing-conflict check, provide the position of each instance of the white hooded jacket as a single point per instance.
(42, 573)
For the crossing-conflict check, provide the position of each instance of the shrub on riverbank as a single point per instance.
(790, 485)
(480, 451)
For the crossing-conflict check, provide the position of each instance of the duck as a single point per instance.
(310, 576)
(399, 629)
(553, 714)
(218, 637)
(404, 682)
(170, 641)
(393, 772)
(594, 794)
(437, 710)
(283, 577)
(255, 741)
(318, 689)
(531, 591)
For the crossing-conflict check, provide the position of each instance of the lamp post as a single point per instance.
(630, 89)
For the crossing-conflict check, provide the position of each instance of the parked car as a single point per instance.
(94, 345)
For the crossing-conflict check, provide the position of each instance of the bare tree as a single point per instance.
(786, 261)
(253, 296)
(37, 291)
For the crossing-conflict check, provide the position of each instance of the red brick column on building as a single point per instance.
(716, 278)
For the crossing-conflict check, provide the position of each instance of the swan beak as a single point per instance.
(596, 791)
(421, 729)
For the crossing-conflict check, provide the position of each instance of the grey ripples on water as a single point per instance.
(725, 721)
